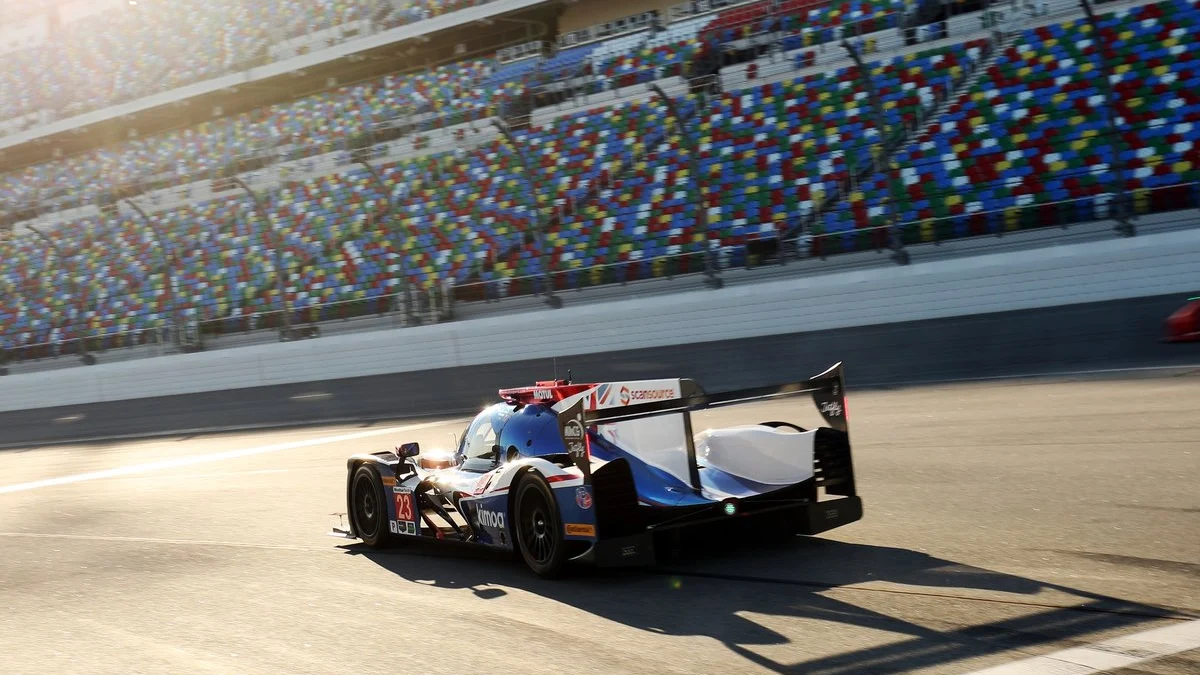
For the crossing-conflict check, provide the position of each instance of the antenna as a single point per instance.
(568, 376)
(555, 368)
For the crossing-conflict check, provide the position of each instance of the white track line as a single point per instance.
(178, 462)
(159, 540)
(1120, 652)
(1033, 376)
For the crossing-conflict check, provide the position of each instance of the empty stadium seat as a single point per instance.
(1033, 133)
(1023, 142)
(452, 93)
(134, 50)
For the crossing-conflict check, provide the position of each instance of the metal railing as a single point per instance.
(421, 307)
(609, 29)
(614, 273)
(521, 51)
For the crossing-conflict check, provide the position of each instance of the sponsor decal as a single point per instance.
(832, 408)
(613, 394)
(583, 498)
(831, 514)
(405, 511)
(644, 395)
(571, 426)
(542, 394)
(581, 530)
(490, 518)
(399, 527)
(627, 551)
(389, 481)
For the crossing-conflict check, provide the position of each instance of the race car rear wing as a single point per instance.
(828, 391)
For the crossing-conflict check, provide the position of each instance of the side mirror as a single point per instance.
(409, 450)
(497, 451)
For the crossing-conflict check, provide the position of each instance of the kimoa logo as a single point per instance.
(491, 518)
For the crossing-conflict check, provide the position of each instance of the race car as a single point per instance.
(600, 473)
(1184, 323)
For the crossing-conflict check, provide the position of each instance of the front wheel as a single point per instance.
(369, 507)
(539, 528)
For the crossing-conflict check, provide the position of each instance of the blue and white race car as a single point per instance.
(597, 473)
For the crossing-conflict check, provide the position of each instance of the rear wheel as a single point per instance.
(369, 506)
(539, 527)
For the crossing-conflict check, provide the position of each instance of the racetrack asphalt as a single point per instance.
(1004, 520)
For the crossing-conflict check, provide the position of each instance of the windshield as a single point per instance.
(479, 437)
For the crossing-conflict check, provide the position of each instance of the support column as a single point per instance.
(895, 239)
(168, 271)
(535, 211)
(273, 243)
(76, 290)
(394, 236)
(711, 275)
(1122, 208)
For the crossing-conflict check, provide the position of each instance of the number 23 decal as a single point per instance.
(404, 505)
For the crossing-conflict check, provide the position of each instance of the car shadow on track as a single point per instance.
(708, 592)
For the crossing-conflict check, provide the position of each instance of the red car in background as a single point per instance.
(1184, 324)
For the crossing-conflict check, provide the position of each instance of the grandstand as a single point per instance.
(612, 143)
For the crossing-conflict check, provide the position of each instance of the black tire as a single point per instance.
(368, 506)
(538, 527)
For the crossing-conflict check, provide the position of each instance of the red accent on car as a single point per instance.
(1184, 324)
(549, 392)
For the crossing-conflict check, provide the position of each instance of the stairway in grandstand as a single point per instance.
(611, 180)
(928, 117)
(977, 72)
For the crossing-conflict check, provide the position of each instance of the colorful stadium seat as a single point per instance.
(1033, 132)
(134, 50)
(1023, 142)
(327, 121)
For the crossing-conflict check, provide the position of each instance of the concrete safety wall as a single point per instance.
(1077, 274)
(1113, 334)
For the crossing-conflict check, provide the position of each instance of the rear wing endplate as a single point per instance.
(828, 392)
